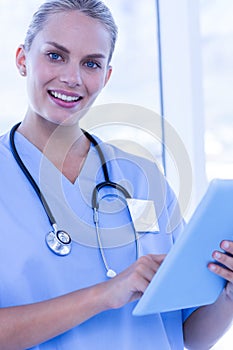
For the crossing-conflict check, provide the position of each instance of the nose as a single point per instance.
(71, 75)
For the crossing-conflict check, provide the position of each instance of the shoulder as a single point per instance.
(143, 176)
(129, 160)
(5, 145)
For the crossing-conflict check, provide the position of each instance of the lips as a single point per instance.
(64, 96)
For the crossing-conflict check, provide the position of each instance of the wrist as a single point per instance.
(101, 297)
(228, 292)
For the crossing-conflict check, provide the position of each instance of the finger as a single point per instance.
(221, 271)
(148, 274)
(148, 265)
(140, 286)
(152, 261)
(227, 246)
(157, 258)
(224, 259)
(136, 296)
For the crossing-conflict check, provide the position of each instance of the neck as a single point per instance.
(65, 146)
(43, 133)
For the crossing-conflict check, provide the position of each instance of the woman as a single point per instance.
(67, 302)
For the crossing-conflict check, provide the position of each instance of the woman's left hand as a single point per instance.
(224, 265)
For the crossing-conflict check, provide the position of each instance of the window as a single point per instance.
(131, 100)
(217, 48)
(14, 17)
(135, 75)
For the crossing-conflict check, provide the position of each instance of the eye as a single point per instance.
(92, 64)
(54, 56)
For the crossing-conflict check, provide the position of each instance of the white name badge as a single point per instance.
(143, 215)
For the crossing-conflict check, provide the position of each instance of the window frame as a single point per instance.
(181, 88)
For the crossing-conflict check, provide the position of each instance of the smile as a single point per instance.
(64, 97)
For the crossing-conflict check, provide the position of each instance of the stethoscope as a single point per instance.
(59, 241)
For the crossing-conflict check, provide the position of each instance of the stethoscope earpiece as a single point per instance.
(59, 242)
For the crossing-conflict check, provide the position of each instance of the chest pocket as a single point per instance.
(143, 215)
(154, 243)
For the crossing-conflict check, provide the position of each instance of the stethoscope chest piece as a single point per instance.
(111, 273)
(59, 242)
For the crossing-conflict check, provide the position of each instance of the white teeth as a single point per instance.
(64, 97)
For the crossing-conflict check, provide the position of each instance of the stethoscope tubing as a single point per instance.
(59, 241)
(29, 176)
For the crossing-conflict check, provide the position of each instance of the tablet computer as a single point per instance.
(183, 280)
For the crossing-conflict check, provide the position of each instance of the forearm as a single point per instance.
(22, 327)
(207, 324)
(25, 326)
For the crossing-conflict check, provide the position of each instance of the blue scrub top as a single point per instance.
(30, 272)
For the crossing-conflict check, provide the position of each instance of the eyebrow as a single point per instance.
(64, 49)
(58, 46)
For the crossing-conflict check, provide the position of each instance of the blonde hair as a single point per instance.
(92, 8)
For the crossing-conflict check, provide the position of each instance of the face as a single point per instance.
(66, 67)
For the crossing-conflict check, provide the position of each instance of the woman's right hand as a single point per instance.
(130, 284)
(22, 327)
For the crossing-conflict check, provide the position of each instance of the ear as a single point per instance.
(108, 75)
(21, 60)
